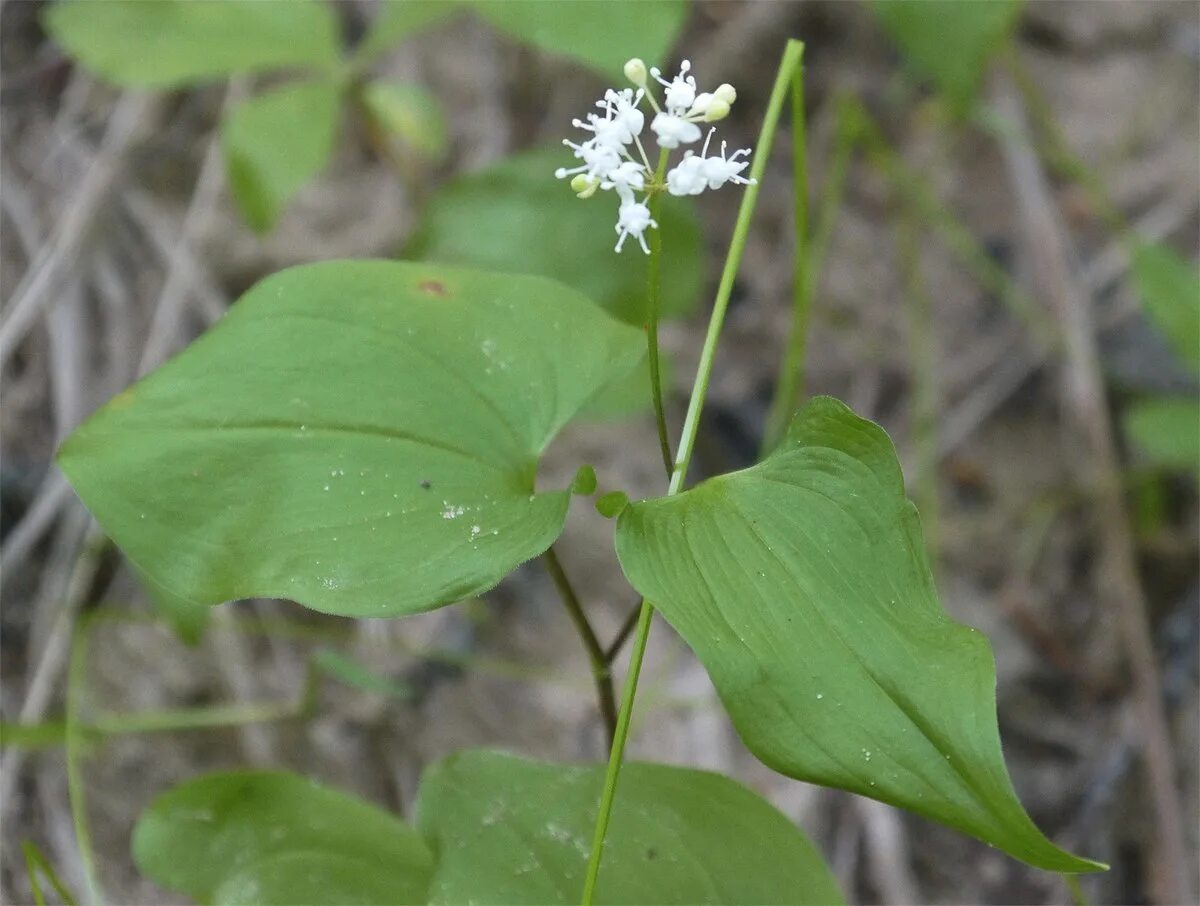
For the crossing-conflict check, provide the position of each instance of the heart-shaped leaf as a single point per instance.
(276, 838)
(276, 142)
(494, 829)
(510, 830)
(358, 436)
(166, 43)
(802, 585)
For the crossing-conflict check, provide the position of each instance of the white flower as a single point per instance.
(614, 159)
(672, 130)
(632, 220)
(693, 174)
(628, 178)
(597, 159)
(622, 108)
(720, 170)
(687, 178)
(681, 91)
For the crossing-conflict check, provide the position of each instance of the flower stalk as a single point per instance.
(789, 68)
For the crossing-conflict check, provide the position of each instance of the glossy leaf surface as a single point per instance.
(510, 830)
(167, 43)
(802, 585)
(279, 839)
(360, 437)
(516, 217)
(276, 142)
(600, 33)
(949, 41)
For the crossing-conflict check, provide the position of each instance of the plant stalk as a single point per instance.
(601, 673)
(76, 676)
(653, 305)
(788, 68)
(791, 374)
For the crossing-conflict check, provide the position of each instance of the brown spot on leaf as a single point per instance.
(433, 288)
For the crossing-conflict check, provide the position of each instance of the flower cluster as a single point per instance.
(607, 161)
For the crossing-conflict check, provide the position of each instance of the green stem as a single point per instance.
(792, 55)
(595, 651)
(653, 305)
(1075, 889)
(36, 863)
(76, 679)
(622, 636)
(791, 374)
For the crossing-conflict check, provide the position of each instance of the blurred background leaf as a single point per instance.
(603, 34)
(276, 142)
(349, 671)
(167, 43)
(1166, 430)
(949, 42)
(411, 114)
(400, 19)
(516, 217)
(1170, 288)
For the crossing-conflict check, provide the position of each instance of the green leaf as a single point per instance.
(188, 619)
(166, 43)
(628, 395)
(949, 41)
(276, 838)
(400, 19)
(352, 673)
(276, 142)
(358, 436)
(602, 34)
(612, 503)
(411, 114)
(803, 586)
(516, 217)
(1167, 431)
(1170, 287)
(585, 481)
(510, 830)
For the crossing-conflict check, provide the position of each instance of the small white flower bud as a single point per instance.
(726, 93)
(635, 71)
(584, 186)
(717, 110)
